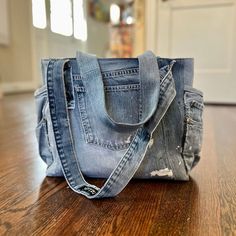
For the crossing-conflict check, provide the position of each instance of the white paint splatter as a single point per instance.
(128, 140)
(151, 142)
(178, 148)
(162, 172)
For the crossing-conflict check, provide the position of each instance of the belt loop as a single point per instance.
(69, 86)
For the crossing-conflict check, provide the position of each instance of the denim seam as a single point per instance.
(85, 119)
(106, 144)
(129, 71)
(57, 134)
(140, 112)
(118, 73)
(167, 78)
(197, 104)
(113, 88)
(164, 85)
(128, 87)
(113, 74)
(80, 89)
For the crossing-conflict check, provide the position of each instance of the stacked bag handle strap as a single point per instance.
(149, 80)
(133, 156)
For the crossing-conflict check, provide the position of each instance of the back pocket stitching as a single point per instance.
(88, 133)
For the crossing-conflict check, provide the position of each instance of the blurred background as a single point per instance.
(203, 29)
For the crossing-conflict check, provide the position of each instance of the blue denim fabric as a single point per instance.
(118, 119)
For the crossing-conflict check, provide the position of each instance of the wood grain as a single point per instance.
(31, 204)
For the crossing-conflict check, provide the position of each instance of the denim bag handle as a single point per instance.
(61, 126)
(149, 79)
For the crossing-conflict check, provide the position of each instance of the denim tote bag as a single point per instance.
(118, 119)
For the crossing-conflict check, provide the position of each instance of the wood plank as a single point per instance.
(31, 204)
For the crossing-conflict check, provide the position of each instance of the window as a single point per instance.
(115, 14)
(61, 19)
(39, 14)
(80, 23)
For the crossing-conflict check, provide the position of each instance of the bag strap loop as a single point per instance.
(128, 164)
(149, 80)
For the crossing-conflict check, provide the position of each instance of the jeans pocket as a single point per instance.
(193, 104)
(95, 131)
(42, 125)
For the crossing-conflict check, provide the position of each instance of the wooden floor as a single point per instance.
(31, 204)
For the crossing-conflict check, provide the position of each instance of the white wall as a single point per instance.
(15, 59)
(20, 61)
